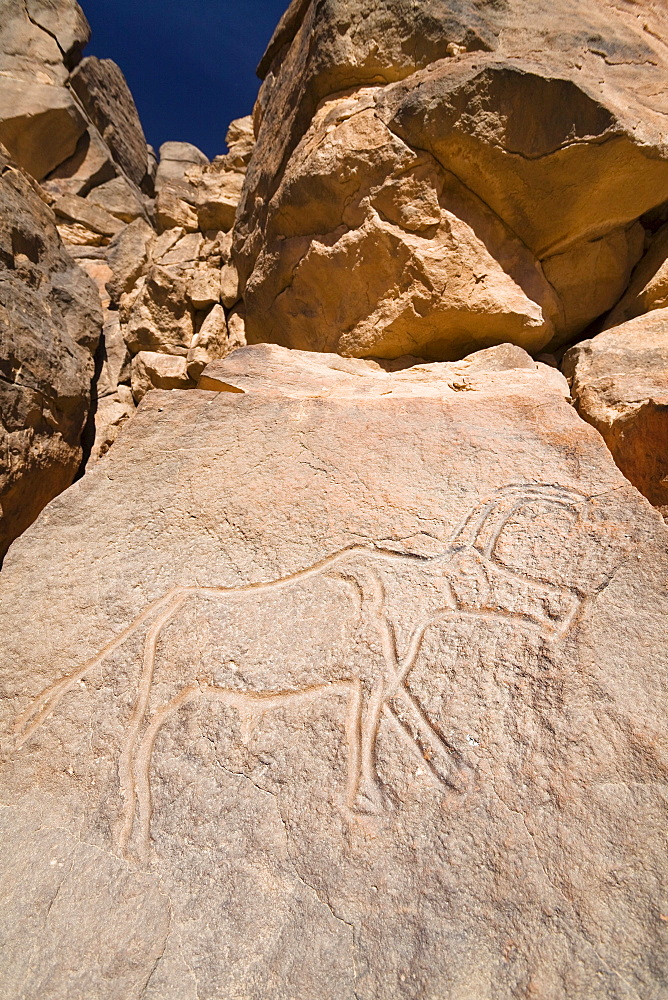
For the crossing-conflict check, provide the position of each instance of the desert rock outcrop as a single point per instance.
(352, 713)
(50, 325)
(477, 178)
(619, 382)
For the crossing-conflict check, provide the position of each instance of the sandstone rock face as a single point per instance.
(649, 285)
(40, 40)
(101, 87)
(152, 370)
(619, 382)
(320, 710)
(477, 177)
(50, 325)
(39, 124)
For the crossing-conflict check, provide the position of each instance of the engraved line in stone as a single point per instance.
(51, 696)
(236, 699)
(125, 764)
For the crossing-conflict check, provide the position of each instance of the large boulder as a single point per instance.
(648, 289)
(353, 692)
(619, 382)
(41, 40)
(102, 89)
(41, 124)
(50, 324)
(478, 177)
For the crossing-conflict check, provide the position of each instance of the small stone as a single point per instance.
(152, 370)
(204, 288)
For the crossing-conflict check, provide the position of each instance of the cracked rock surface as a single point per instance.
(477, 178)
(320, 710)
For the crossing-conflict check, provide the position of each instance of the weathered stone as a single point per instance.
(116, 359)
(119, 198)
(74, 209)
(65, 21)
(160, 318)
(172, 212)
(49, 329)
(218, 194)
(73, 234)
(378, 706)
(236, 326)
(39, 124)
(182, 252)
(240, 140)
(128, 256)
(41, 39)
(427, 268)
(112, 413)
(212, 341)
(269, 369)
(229, 285)
(619, 381)
(649, 286)
(176, 160)
(90, 164)
(483, 196)
(101, 87)
(204, 288)
(152, 370)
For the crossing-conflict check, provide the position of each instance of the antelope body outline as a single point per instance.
(477, 586)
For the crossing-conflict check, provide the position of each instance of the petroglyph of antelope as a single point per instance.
(472, 578)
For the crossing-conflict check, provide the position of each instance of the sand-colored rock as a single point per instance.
(120, 198)
(153, 370)
(173, 212)
(428, 269)
(73, 209)
(240, 140)
(111, 415)
(204, 288)
(492, 192)
(41, 40)
(102, 89)
(50, 325)
(40, 124)
(619, 382)
(649, 285)
(218, 193)
(352, 697)
(268, 369)
(128, 256)
(212, 341)
(91, 164)
(160, 318)
(236, 326)
(176, 159)
(229, 285)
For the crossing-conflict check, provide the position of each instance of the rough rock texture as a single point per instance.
(41, 40)
(358, 696)
(476, 177)
(101, 87)
(619, 381)
(50, 325)
(39, 124)
(649, 284)
(153, 370)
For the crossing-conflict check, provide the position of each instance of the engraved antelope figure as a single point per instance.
(469, 579)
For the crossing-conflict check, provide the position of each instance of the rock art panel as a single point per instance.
(381, 718)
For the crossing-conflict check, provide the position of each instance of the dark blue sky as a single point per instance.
(190, 63)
